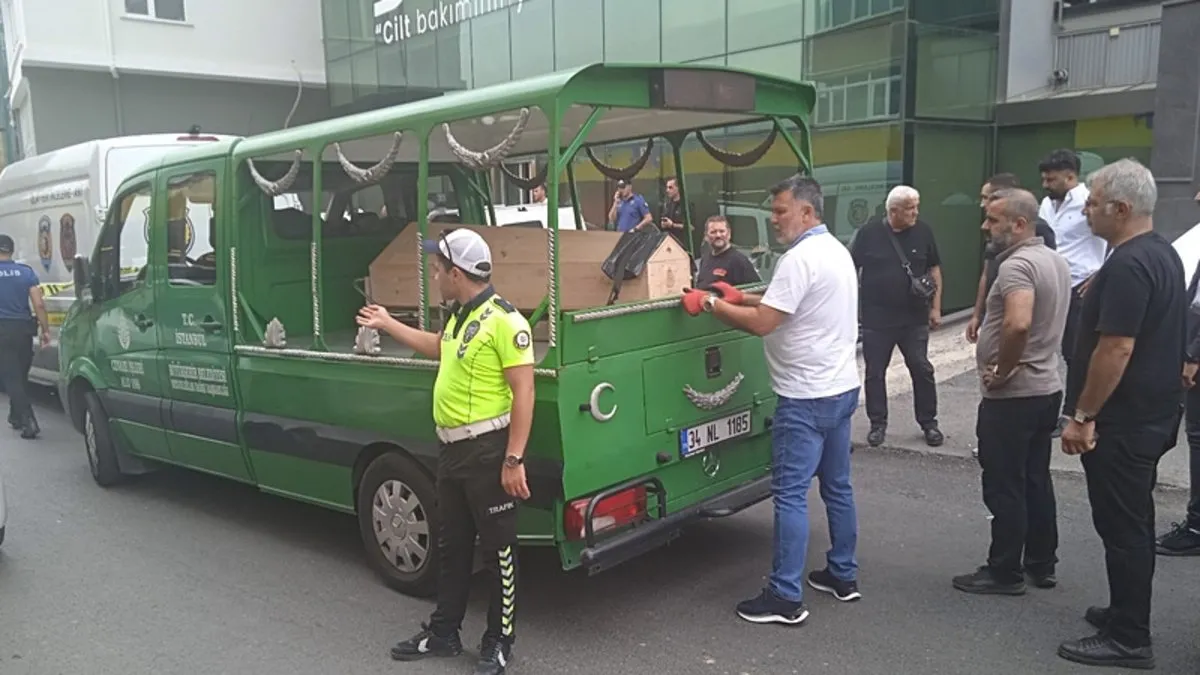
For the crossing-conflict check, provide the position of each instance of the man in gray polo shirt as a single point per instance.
(1017, 357)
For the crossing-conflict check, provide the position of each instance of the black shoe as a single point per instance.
(875, 436)
(981, 582)
(1180, 540)
(1100, 650)
(1098, 617)
(30, 429)
(824, 581)
(934, 436)
(426, 644)
(494, 656)
(770, 608)
(1042, 579)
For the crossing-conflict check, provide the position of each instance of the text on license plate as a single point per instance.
(696, 439)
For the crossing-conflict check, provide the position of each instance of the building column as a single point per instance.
(1176, 157)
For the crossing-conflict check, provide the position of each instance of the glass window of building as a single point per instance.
(762, 23)
(692, 29)
(632, 31)
(532, 51)
(578, 36)
(491, 59)
(831, 14)
(784, 60)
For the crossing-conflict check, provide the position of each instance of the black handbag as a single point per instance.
(629, 257)
(922, 287)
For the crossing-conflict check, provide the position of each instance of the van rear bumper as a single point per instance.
(615, 550)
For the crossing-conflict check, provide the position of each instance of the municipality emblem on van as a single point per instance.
(124, 334)
(45, 243)
(66, 240)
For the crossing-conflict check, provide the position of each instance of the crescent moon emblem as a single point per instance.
(594, 403)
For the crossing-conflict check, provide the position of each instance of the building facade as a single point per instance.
(938, 94)
(78, 70)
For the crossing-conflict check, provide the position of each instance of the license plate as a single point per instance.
(697, 439)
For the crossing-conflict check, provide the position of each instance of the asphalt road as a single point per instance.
(183, 573)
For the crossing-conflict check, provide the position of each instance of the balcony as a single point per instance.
(1107, 57)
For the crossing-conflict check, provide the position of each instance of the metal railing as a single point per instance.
(1108, 57)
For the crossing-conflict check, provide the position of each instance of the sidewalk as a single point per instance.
(953, 361)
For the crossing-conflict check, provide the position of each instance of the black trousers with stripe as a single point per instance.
(472, 501)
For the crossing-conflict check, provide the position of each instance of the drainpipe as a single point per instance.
(112, 67)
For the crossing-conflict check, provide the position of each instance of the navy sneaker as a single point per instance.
(770, 608)
(1180, 540)
(824, 581)
(427, 644)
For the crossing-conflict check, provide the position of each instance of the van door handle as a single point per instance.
(211, 325)
(142, 322)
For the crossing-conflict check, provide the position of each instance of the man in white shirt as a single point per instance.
(1062, 208)
(808, 319)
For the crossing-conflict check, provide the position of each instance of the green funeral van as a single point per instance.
(237, 353)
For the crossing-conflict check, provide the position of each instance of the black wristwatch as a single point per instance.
(512, 461)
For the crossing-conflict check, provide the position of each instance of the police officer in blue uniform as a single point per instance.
(18, 289)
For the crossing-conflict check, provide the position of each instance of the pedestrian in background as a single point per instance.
(1124, 378)
(19, 291)
(721, 261)
(991, 267)
(629, 209)
(809, 329)
(901, 277)
(1183, 539)
(1017, 359)
(1062, 208)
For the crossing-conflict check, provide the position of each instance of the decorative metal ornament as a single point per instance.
(373, 174)
(276, 336)
(711, 463)
(366, 341)
(594, 403)
(493, 155)
(276, 188)
(715, 399)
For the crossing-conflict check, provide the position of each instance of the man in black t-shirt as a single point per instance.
(721, 261)
(671, 220)
(1125, 379)
(892, 316)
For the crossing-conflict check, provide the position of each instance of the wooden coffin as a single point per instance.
(520, 256)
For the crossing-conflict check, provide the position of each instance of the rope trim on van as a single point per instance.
(416, 364)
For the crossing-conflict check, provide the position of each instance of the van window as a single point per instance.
(191, 229)
(123, 244)
(743, 231)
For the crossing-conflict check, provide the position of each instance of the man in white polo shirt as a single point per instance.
(808, 319)
(1062, 208)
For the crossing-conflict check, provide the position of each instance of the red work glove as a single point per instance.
(728, 293)
(693, 300)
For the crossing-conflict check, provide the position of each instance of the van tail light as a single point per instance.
(612, 512)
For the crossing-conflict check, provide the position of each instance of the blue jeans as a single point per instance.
(811, 437)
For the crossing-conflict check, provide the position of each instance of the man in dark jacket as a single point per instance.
(1184, 538)
(1001, 181)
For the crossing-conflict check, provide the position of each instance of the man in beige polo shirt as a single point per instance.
(1017, 356)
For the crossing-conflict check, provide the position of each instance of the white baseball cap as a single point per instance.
(465, 249)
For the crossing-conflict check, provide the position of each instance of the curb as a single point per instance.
(1162, 486)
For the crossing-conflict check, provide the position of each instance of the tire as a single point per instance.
(407, 559)
(97, 441)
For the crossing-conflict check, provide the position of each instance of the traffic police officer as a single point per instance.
(18, 288)
(483, 409)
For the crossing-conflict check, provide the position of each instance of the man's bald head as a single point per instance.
(1011, 217)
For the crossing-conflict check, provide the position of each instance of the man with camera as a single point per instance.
(901, 294)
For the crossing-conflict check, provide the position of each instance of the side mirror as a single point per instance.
(82, 276)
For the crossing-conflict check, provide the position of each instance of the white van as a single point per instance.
(53, 204)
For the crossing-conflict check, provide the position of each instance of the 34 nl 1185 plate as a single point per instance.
(699, 438)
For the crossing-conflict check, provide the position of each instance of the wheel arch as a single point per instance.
(375, 450)
(81, 378)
